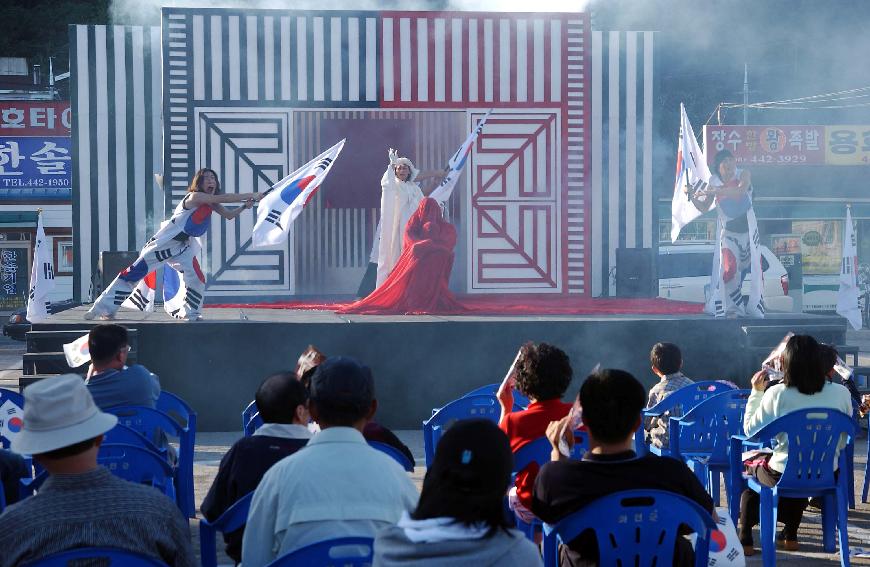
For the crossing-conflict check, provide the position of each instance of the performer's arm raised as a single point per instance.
(200, 198)
(231, 214)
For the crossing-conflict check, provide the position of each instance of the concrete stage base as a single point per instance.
(419, 362)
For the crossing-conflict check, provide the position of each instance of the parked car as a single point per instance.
(18, 325)
(684, 274)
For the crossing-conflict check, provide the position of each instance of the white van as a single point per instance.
(684, 275)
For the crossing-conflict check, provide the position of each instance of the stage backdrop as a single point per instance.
(559, 178)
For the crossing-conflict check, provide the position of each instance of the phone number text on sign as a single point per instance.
(35, 162)
(767, 145)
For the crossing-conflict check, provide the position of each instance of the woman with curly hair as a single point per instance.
(542, 373)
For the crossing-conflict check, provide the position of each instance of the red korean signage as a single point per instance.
(34, 118)
(767, 145)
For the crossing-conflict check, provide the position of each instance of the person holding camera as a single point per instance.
(803, 385)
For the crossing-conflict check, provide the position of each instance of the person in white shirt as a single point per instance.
(804, 385)
(337, 485)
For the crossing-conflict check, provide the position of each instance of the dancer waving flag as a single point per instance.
(286, 199)
(457, 163)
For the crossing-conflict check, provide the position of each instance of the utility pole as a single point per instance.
(745, 94)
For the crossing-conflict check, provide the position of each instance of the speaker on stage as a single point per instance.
(635, 272)
(111, 263)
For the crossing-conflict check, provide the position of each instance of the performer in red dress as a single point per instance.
(418, 282)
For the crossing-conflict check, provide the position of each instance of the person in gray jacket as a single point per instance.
(460, 518)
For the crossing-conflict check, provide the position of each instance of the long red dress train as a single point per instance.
(418, 282)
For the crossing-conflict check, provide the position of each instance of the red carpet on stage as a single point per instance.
(520, 305)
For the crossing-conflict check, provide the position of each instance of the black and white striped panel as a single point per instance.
(621, 151)
(576, 54)
(115, 87)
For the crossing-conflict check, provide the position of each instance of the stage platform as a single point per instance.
(420, 362)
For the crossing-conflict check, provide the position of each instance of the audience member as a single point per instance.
(283, 404)
(829, 356)
(338, 486)
(81, 504)
(12, 469)
(612, 401)
(460, 518)
(110, 381)
(373, 431)
(542, 373)
(666, 361)
(803, 385)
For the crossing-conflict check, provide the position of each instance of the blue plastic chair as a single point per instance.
(119, 557)
(148, 421)
(15, 398)
(344, 551)
(177, 409)
(702, 437)
(677, 404)
(491, 389)
(479, 406)
(397, 455)
(538, 452)
(129, 436)
(634, 527)
(233, 518)
(129, 462)
(251, 420)
(813, 435)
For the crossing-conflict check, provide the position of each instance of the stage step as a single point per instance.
(53, 341)
(34, 363)
(45, 356)
(25, 381)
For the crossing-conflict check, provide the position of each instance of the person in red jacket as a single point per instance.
(542, 373)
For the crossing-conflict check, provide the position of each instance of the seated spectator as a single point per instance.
(612, 401)
(666, 361)
(542, 373)
(82, 504)
(373, 431)
(110, 381)
(338, 486)
(12, 469)
(829, 356)
(803, 385)
(460, 518)
(283, 405)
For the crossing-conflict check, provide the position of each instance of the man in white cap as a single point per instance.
(81, 504)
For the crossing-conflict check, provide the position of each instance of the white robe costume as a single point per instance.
(399, 200)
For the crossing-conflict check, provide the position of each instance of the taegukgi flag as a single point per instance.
(692, 175)
(77, 352)
(457, 163)
(142, 297)
(847, 296)
(286, 199)
(41, 276)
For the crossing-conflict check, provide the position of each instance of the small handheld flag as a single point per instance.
(457, 163)
(77, 352)
(286, 199)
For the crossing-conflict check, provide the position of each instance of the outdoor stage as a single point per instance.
(420, 362)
